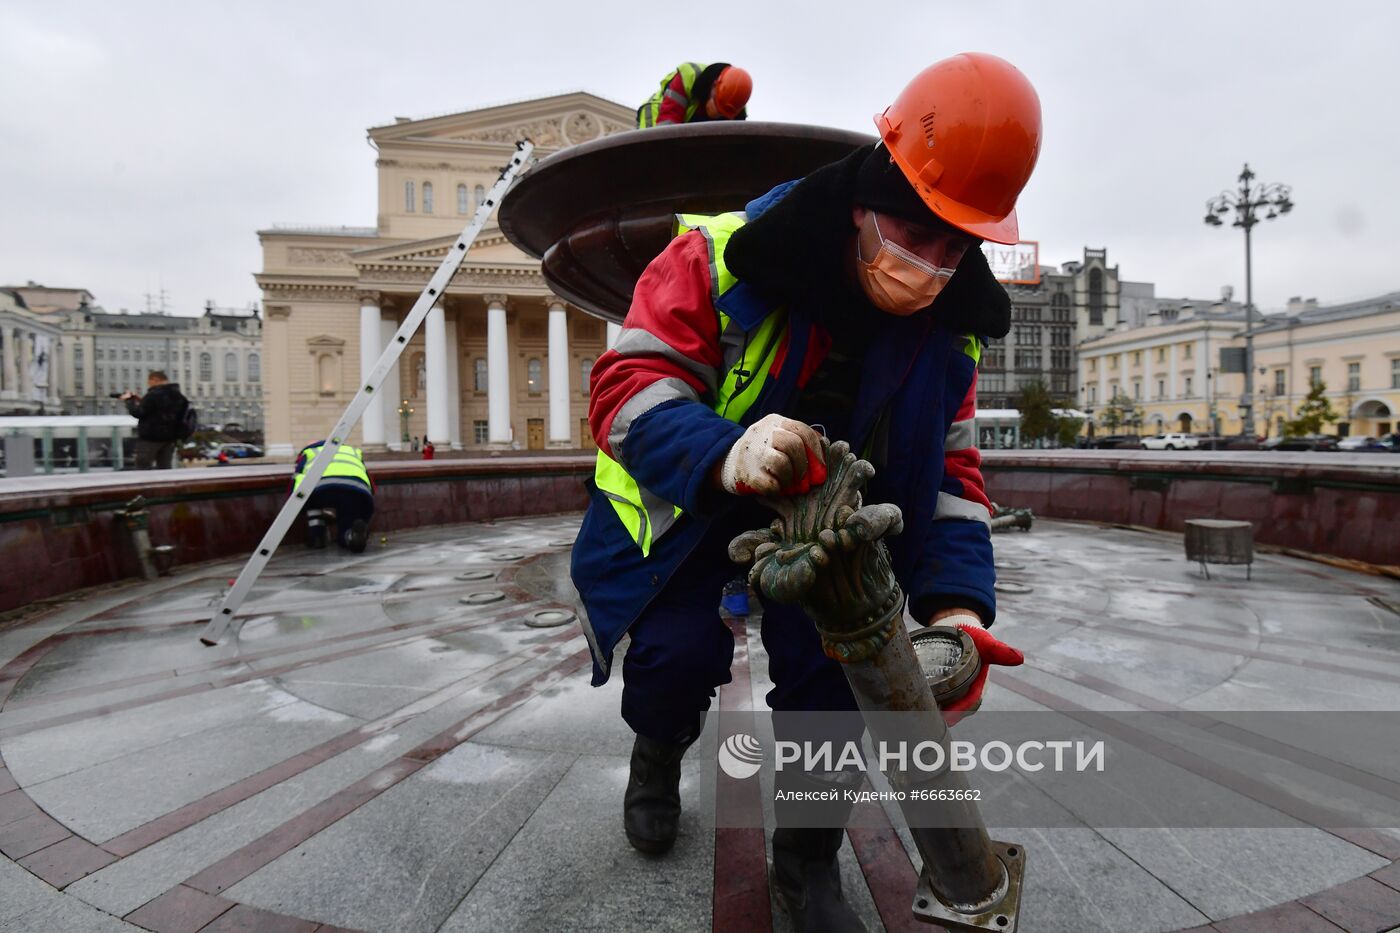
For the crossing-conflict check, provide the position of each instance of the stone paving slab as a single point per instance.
(512, 822)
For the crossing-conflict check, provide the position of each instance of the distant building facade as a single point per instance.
(30, 353)
(1078, 301)
(500, 361)
(90, 353)
(1170, 368)
(216, 358)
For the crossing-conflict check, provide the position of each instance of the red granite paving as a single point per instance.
(245, 919)
(741, 898)
(179, 910)
(1362, 906)
(67, 860)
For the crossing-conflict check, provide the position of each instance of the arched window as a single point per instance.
(585, 374)
(480, 195)
(230, 367)
(427, 197)
(462, 204)
(534, 377)
(409, 201)
(254, 368)
(479, 382)
(206, 367)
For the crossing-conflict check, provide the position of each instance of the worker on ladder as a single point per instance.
(693, 93)
(345, 490)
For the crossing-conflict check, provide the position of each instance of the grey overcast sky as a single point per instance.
(142, 144)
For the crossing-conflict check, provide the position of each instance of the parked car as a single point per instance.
(1306, 442)
(1113, 441)
(237, 451)
(1176, 441)
(1360, 442)
(1211, 441)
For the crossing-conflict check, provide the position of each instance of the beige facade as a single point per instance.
(31, 355)
(500, 362)
(1171, 370)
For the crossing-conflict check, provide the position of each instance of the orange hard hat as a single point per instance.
(966, 133)
(731, 92)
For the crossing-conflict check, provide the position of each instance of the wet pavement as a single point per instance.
(393, 743)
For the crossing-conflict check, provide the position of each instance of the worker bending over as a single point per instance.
(694, 93)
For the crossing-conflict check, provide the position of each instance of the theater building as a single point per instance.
(500, 363)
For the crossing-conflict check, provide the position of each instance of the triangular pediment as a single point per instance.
(550, 122)
(490, 246)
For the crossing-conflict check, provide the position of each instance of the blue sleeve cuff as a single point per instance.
(672, 448)
(961, 573)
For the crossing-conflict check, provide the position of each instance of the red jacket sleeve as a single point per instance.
(668, 348)
(674, 102)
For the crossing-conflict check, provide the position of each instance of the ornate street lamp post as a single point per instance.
(1247, 202)
(405, 412)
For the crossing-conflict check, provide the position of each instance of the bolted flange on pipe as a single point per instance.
(825, 552)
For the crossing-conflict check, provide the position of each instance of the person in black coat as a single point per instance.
(159, 414)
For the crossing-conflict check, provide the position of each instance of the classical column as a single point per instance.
(614, 331)
(26, 360)
(436, 361)
(10, 366)
(277, 382)
(1202, 367)
(498, 401)
(454, 386)
(372, 424)
(1173, 389)
(560, 432)
(1104, 397)
(391, 393)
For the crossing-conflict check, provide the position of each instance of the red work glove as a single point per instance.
(991, 650)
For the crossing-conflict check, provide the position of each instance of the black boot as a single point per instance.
(807, 878)
(651, 809)
(357, 537)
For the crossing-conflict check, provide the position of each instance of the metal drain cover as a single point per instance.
(505, 556)
(480, 599)
(549, 618)
(1006, 586)
(477, 575)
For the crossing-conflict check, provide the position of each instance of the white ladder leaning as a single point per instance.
(222, 619)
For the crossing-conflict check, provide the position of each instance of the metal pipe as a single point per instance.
(825, 553)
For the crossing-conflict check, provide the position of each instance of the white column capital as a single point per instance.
(496, 301)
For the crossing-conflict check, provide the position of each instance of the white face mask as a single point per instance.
(897, 281)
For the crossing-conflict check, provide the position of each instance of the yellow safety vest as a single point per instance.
(347, 462)
(649, 111)
(645, 515)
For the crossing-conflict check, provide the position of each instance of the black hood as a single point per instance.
(795, 252)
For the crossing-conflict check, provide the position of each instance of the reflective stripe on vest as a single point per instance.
(648, 112)
(645, 515)
(346, 462)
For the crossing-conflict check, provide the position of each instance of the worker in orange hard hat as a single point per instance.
(858, 299)
(692, 93)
